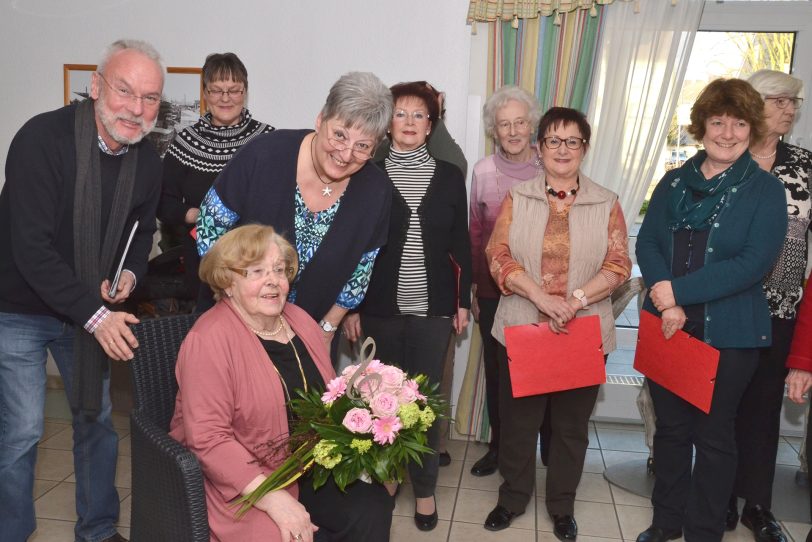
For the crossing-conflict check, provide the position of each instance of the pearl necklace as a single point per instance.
(767, 157)
(268, 332)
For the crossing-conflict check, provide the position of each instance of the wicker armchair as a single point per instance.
(168, 500)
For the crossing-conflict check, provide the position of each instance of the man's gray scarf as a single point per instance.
(93, 257)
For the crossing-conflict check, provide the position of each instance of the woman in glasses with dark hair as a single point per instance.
(558, 249)
(416, 299)
(317, 189)
(201, 151)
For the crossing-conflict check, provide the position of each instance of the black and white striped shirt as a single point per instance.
(411, 173)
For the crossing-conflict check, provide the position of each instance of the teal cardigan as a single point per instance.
(742, 246)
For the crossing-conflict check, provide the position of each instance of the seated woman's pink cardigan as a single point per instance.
(230, 400)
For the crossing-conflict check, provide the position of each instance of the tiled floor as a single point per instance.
(603, 511)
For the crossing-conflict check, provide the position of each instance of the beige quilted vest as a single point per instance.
(589, 238)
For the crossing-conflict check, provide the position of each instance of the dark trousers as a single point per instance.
(569, 438)
(416, 344)
(364, 512)
(695, 501)
(759, 418)
(487, 312)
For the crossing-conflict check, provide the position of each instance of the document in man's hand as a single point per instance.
(682, 364)
(542, 362)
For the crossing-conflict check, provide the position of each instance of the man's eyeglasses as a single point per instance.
(572, 143)
(416, 116)
(520, 125)
(361, 150)
(781, 102)
(150, 100)
(218, 94)
(261, 273)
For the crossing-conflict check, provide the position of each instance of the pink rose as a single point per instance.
(368, 386)
(384, 405)
(392, 378)
(406, 395)
(385, 430)
(335, 389)
(414, 387)
(358, 420)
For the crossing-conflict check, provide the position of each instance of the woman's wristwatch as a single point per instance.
(580, 296)
(327, 326)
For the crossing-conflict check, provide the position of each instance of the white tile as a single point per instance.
(58, 503)
(466, 532)
(621, 496)
(613, 457)
(53, 464)
(456, 448)
(121, 421)
(593, 519)
(787, 455)
(593, 461)
(124, 471)
(622, 440)
(125, 446)
(53, 530)
(473, 506)
(449, 476)
(62, 440)
(124, 515)
(617, 426)
(41, 487)
(404, 530)
(475, 450)
(798, 531)
(593, 488)
(485, 483)
(51, 427)
(633, 520)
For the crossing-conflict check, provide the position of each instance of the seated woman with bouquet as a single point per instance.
(237, 369)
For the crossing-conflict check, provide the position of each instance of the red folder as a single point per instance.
(682, 364)
(542, 362)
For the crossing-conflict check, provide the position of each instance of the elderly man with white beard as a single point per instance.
(78, 181)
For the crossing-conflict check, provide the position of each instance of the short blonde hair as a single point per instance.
(240, 248)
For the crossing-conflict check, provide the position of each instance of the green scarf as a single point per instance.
(687, 214)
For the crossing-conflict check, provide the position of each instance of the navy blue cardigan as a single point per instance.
(742, 247)
(259, 184)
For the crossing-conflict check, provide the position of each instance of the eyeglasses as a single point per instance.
(218, 94)
(781, 102)
(572, 143)
(361, 150)
(150, 100)
(416, 116)
(261, 273)
(520, 125)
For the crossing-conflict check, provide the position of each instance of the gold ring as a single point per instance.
(297, 537)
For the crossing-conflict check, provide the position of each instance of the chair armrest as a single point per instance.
(168, 497)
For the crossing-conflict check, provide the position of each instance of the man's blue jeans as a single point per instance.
(24, 340)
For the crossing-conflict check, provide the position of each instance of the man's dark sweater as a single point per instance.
(36, 219)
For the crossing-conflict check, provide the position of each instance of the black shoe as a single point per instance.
(426, 522)
(650, 466)
(486, 464)
(115, 538)
(655, 534)
(761, 521)
(500, 518)
(565, 528)
(445, 459)
(732, 514)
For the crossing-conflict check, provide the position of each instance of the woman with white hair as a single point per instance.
(759, 412)
(510, 115)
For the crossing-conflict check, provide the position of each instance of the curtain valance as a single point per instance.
(506, 10)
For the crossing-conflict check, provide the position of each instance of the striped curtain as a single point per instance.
(555, 63)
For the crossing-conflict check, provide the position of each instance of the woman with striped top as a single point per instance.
(416, 297)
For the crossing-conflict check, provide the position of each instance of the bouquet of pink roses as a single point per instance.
(369, 424)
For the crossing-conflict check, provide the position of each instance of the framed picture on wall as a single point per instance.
(181, 105)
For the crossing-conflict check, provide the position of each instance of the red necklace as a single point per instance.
(560, 194)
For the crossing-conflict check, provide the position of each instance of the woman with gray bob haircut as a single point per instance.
(759, 414)
(318, 189)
